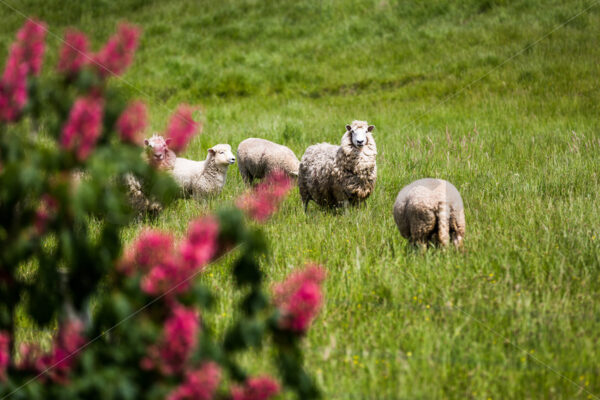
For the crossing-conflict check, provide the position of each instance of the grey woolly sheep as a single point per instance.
(430, 211)
(202, 178)
(334, 176)
(259, 157)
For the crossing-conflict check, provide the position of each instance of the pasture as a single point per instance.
(498, 97)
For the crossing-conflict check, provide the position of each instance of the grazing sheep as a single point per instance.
(202, 178)
(333, 176)
(430, 211)
(257, 158)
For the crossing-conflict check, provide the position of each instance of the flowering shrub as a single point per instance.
(145, 337)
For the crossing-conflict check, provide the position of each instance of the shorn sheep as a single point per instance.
(257, 158)
(430, 211)
(203, 178)
(334, 176)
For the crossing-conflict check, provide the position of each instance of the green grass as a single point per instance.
(513, 316)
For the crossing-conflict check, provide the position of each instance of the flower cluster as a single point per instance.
(169, 269)
(25, 58)
(299, 298)
(74, 54)
(199, 384)
(264, 199)
(117, 54)
(132, 122)
(58, 362)
(259, 388)
(181, 128)
(180, 336)
(84, 126)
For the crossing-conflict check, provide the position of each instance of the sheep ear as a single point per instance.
(348, 128)
(211, 151)
(370, 128)
(146, 142)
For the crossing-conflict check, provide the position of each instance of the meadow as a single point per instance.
(498, 97)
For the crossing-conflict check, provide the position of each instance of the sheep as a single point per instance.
(430, 211)
(158, 155)
(257, 158)
(335, 176)
(202, 178)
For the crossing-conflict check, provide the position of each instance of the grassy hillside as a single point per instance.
(516, 314)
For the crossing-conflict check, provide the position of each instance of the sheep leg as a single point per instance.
(443, 223)
(246, 177)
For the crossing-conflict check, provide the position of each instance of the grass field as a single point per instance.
(517, 314)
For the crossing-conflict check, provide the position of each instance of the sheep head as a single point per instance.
(221, 154)
(157, 150)
(358, 132)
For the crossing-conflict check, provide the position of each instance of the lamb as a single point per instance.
(257, 158)
(430, 211)
(334, 176)
(196, 178)
(202, 178)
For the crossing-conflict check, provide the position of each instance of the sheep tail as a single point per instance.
(443, 223)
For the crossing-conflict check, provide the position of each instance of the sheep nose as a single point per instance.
(360, 142)
(232, 160)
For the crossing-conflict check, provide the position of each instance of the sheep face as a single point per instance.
(157, 148)
(222, 155)
(358, 133)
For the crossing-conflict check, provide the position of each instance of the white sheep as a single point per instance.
(430, 211)
(338, 175)
(202, 178)
(257, 158)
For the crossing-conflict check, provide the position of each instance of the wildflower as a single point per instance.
(4, 353)
(74, 54)
(179, 339)
(199, 384)
(31, 38)
(132, 122)
(117, 54)
(299, 298)
(181, 128)
(60, 360)
(166, 276)
(259, 388)
(264, 199)
(13, 86)
(84, 126)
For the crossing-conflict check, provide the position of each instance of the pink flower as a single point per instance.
(73, 53)
(199, 384)
(84, 126)
(168, 276)
(4, 353)
(259, 388)
(200, 245)
(181, 128)
(60, 360)
(117, 54)
(179, 340)
(264, 199)
(32, 40)
(46, 210)
(13, 86)
(132, 122)
(174, 273)
(299, 298)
